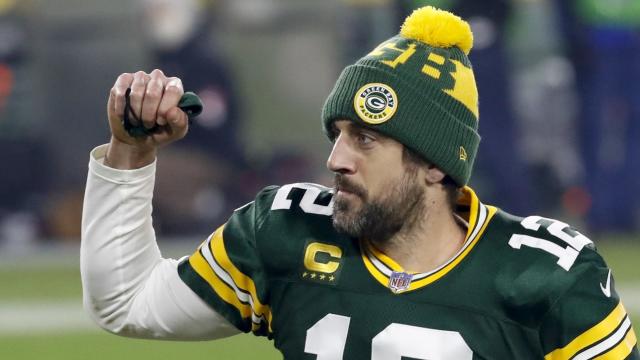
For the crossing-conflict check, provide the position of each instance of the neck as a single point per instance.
(428, 242)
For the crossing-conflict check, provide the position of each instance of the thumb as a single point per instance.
(178, 122)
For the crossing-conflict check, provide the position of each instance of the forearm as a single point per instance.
(128, 288)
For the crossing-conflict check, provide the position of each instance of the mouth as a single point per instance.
(345, 193)
(344, 188)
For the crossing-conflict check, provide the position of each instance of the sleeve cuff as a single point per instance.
(97, 167)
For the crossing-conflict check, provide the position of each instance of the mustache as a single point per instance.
(342, 183)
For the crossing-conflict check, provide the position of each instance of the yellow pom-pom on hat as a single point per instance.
(438, 28)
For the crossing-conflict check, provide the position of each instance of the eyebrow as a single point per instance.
(353, 126)
(358, 127)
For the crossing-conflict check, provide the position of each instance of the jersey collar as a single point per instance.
(470, 209)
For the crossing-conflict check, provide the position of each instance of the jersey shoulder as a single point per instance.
(278, 209)
(540, 260)
(554, 281)
(286, 219)
(540, 242)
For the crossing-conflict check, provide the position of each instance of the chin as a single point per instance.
(344, 222)
(339, 219)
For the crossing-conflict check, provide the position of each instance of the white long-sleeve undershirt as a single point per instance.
(128, 288)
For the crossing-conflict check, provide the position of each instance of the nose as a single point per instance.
(342, 159)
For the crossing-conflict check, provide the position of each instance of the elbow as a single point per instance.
(109, 317)
(117, 313)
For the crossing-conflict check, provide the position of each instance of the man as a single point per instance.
(396, 261)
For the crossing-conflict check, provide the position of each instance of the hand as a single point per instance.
(154, 98)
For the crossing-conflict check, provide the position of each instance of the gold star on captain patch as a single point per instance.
(322, 276)
(313, 275)
(331, 278)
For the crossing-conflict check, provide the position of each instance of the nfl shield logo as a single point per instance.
(399, 281)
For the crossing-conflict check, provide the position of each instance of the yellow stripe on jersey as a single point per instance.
(246, 287)
(241, 280)
(469, 197)
(377, 274)
(202, 267)
(382, 257)
(598, 332)
(622, 350)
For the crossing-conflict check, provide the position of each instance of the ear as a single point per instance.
(433, 174)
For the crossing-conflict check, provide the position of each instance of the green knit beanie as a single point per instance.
(418, 88)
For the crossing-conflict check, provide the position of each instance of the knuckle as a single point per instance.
(137, 93)
(174, 88)
(153, 95)
(124, 76)
(174, 81)
(138, 83)
(154, 90)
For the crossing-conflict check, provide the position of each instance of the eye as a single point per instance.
(364, 138)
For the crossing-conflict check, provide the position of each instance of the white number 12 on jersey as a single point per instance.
(566, 255)
(327, 339)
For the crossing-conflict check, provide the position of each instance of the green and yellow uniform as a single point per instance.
(520, 288)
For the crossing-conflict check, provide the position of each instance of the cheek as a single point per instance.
(382, 169)
(383, 182)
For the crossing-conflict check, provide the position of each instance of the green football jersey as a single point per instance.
(520, 288)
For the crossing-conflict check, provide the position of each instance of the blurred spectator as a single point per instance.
(22, 153)
(210, 159)
(500, 171)
(604, 43)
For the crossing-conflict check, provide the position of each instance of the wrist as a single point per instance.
(125, 156)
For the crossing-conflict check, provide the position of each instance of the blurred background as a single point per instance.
(559, 84)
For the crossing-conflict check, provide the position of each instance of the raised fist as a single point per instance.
(153, 99)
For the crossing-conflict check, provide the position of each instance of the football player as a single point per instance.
(399, 259)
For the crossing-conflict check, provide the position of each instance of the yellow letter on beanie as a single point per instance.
(465, 89)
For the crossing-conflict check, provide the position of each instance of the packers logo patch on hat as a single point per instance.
(375, 103)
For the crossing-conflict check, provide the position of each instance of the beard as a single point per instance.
(378, 220)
